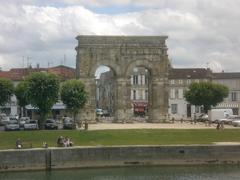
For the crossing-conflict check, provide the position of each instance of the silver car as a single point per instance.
(12, 126)
(23, 120)
(236, 123)
(31, 125)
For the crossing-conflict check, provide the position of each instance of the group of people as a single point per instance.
(64, 142)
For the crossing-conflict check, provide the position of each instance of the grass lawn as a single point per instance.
(122, 137)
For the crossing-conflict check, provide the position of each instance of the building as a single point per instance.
(139, 91)
(18, 74)
(232, 81)
(179, 80)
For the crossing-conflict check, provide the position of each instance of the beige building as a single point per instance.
(179, 80)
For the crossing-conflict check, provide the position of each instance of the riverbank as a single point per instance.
(113, 137)
(116, 156)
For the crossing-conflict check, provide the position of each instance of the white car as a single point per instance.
(23, 120)
(236, 123)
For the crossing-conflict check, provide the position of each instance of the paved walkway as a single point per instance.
(176, 125)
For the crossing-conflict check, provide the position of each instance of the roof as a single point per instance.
(226, 75)
(18, 74)
(189, 73)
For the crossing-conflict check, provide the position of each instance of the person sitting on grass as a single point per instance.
(60, 141)
(19, 143)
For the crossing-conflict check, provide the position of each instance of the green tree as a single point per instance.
(73, 94)
(21, 94)
(42, 92)
(6, 90)
(206, 94)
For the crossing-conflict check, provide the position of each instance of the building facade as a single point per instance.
(18, 74)
(179, 80)
(232, 81)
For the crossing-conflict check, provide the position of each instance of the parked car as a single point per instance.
(202, 118)
(23, 120)
(31, 125)
(236, 122)
(68, 123)
(4, 120)
(50, 124)
(12, 126)
(229, 120)
(99, 112)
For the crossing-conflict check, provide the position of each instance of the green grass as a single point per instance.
(122, 137)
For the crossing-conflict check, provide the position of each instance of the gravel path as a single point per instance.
(176, 125)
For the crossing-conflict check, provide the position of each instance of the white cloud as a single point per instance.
(199, 31)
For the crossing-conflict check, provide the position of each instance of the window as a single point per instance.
(197, 109)
(176, 93)
(172, 93)
(174, 108)
(234, 96)
(135, 79)
(172, 81)
(188, 81)
(180, 81)
(180, 93)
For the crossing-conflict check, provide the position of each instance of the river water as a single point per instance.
(206, 172)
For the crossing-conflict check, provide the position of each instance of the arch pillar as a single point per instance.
(87, 113)
(158, 100)
(123, 111)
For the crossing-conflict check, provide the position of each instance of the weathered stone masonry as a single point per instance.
(121, 54)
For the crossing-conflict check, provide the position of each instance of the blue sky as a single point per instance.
(201, 32)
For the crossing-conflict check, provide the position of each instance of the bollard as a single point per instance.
(86, 126)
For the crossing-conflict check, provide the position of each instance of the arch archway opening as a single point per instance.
(105, 81)
(140, 77)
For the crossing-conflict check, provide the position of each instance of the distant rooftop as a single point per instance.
(226, 75)
(189, 73)
(18, 74)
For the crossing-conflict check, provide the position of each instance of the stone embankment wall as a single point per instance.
(80, 157)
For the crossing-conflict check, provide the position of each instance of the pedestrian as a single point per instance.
(218, 126)
(18, 143)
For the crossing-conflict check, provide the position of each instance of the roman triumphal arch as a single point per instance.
(122, 54)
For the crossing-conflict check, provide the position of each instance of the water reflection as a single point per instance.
(206, 172)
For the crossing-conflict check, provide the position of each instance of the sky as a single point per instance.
(201, 33)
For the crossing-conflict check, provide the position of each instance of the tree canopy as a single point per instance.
(20, 92)
(6, 90)
(73, 94)
(42, 92)
(206, 94)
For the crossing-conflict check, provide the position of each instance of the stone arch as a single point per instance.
(112, 66)
(138, 63)
(121, 54)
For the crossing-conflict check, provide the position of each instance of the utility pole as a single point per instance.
(23, 61)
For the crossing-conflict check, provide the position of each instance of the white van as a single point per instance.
(217, 114)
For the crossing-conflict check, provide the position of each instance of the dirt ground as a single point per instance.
(175, 125)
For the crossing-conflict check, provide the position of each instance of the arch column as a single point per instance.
(123, 111)
(158, 100)
(88, 113)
